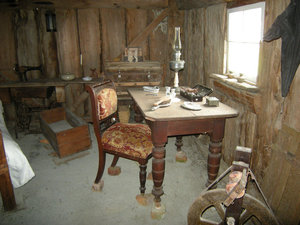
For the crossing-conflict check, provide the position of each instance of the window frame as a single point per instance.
(237, 9)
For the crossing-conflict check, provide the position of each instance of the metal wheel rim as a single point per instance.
(214, 198)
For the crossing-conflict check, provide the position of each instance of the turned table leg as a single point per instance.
(159, 140)
(158, 173)
(180, 155)
(215, 150)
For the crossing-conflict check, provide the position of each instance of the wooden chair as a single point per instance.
(127, 140)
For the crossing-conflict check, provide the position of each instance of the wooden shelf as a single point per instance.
(47, 83)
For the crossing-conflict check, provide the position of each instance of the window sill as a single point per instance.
(244, 93)
(234, 83)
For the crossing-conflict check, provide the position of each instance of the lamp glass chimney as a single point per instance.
(177, 41)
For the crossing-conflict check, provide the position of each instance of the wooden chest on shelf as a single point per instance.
(66, 132)
(133, 74)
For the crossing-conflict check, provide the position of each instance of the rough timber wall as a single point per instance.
(8, 56)
(279, 129)
(214, 36)
(98, 34)
(194, 46)
(175, 19)
(204, 45)
(267, 123)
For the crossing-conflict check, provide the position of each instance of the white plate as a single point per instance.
(87, 78)
(191, 106)
(154, 89)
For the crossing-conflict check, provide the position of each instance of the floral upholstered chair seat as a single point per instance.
(129, 139)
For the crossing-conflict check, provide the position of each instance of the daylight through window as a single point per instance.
(245, 31)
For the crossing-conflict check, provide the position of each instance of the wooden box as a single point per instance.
(66, 132)
(133, 74)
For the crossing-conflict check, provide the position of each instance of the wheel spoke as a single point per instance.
(245, 215)
(220, 210)
(212, 200)
(207, 222)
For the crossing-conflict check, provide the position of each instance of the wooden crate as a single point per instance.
(133, 74)
(66, 132)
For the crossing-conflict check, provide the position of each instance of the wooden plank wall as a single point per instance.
(158, 51)
(194, 46)
(281, 140)
(214, 35)
(204, 47)
(98, 34)
(27, 41)
(8, 54)
(48, 48)
(89, 40)
(267, 123)
(175, 19)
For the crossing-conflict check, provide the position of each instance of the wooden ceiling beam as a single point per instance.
(238, 3)
(194, 4)
(79, 4)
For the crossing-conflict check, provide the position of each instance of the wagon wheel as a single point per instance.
(208, 209)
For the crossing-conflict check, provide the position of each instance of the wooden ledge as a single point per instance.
(234, 83)
(243, 93)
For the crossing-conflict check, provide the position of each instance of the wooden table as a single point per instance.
(59, 85)
(55, 82)
(175, 121)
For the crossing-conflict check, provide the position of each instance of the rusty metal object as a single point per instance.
(236, 186)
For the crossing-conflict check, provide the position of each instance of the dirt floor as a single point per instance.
(60, 192)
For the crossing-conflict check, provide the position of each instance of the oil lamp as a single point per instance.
(176, 64)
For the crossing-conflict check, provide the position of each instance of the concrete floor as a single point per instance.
(60, 193)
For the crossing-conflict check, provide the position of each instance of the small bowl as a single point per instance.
(67, 76)
(240, 79)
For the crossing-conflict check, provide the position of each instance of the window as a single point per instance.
(245, 32)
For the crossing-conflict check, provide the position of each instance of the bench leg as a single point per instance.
(7, 191)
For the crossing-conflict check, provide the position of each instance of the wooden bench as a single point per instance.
(6, 187)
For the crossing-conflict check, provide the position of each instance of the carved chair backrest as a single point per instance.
(104, 104)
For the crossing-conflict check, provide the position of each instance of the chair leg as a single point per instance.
(98, 184)
(143, 173)
(144, 199)
(114, 170)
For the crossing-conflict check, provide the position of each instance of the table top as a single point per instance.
(145, 100)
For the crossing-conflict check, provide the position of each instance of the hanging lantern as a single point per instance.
(50, 21)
